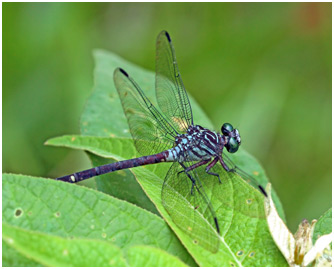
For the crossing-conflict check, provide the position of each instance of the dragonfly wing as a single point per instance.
(171, 94)
(150, 130)
(189, 206)
(245, 176)
(234, 196)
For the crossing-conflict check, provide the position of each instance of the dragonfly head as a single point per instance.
(232, 137)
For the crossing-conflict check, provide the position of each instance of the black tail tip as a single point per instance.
(123, 72)
(217, 226)
(168, 37)
(263, 191)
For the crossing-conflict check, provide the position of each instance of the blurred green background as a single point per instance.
(264, 67)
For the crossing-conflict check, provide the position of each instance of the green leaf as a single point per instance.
(151, 257)
(323, 226)
(56, 251)
(12, 258)
(52, 250)
(71, 211)
(117, 148)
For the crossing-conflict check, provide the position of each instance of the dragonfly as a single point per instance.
(168, 134)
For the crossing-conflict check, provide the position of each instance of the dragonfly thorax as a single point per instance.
(197, 144)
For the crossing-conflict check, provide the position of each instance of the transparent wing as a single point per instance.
(245, 176)
(171, 94)
(235, 196)
(149, 129)
(189, 206)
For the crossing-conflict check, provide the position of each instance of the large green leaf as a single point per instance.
(53, 250)
(246, 240)
(71, 212)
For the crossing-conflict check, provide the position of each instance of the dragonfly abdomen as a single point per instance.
(111, 167)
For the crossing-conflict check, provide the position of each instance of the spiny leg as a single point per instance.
(225, 166)
(210, 165)
(194, 166)
(186, 170)
(207, 169)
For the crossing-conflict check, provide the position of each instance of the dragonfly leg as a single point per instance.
(210, 165)
(194, 166)
(225, 166)
(193, 181)
(192, 186)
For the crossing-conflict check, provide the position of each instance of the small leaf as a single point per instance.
(102, 146)
(323, 226)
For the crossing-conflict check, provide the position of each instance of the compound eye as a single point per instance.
(232, 145)
(227, 128)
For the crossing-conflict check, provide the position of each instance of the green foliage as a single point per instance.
(42, 207)
(60, 224)
(56, 251)
(12, 258)
(323, 226)
(264, 67)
